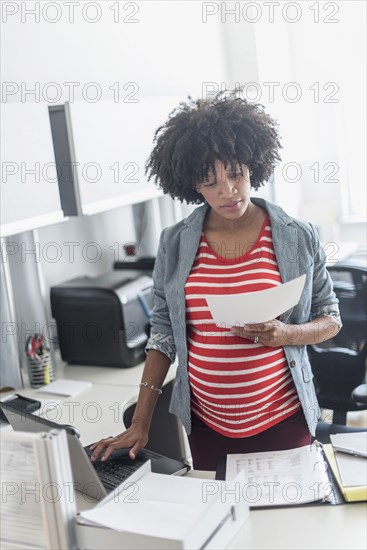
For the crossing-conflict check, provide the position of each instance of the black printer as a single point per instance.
(103, 321)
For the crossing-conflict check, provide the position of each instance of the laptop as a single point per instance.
(95, 479)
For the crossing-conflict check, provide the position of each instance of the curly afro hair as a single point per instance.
(227, 128)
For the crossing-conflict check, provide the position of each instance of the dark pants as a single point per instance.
(207, 445)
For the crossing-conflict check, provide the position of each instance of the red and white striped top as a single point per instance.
(238, 388)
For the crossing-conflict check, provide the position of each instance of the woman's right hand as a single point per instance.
(135, 438)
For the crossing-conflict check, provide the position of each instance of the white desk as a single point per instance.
(316, 527)
(106, 375)
(304, 527)
(96, 412)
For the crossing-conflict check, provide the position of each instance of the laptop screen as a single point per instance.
(28, 422)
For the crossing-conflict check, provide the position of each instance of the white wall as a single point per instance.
(320, 45)
(168, 50)
(324, 131)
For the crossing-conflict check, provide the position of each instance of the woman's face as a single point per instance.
(227, 193)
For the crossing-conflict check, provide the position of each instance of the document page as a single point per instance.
(279, 478)
(255, 307)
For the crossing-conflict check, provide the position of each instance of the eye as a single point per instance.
(208, 184)
(235, 175)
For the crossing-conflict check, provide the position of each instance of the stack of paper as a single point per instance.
(166, 512)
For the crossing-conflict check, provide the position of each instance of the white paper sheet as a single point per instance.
(255, 307)
(67, 388)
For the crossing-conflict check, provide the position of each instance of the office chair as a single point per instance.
(339, 364)
(359, 394)
(350, 287)
(166, 435)
(337, 372)
(324, 430)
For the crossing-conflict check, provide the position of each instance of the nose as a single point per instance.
(227, 187)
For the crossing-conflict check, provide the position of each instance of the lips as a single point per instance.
(231, 204)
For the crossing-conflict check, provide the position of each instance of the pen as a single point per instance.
(350, 451)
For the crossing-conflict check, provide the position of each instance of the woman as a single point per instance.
(247, 388)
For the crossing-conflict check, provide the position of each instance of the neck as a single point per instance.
(218, 223)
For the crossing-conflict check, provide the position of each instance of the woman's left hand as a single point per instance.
(273, 333)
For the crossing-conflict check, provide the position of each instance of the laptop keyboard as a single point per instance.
(118, 467)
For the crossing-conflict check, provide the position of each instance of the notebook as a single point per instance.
(95, 479)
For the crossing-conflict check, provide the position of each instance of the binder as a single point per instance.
(38, 502)
(317, 483)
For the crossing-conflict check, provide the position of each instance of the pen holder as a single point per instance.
(40, 372)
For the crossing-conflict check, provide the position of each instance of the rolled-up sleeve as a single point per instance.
(163, 343)
(324, 300)
(161, 335)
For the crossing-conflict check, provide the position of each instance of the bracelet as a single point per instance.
(154, 388)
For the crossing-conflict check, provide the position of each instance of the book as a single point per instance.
(283, 478)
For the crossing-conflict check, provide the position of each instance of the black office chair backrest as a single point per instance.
(337, 371)
(350, 287)
(339, 364)
(165, 435)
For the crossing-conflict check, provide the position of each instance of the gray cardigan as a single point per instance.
(297, 249)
